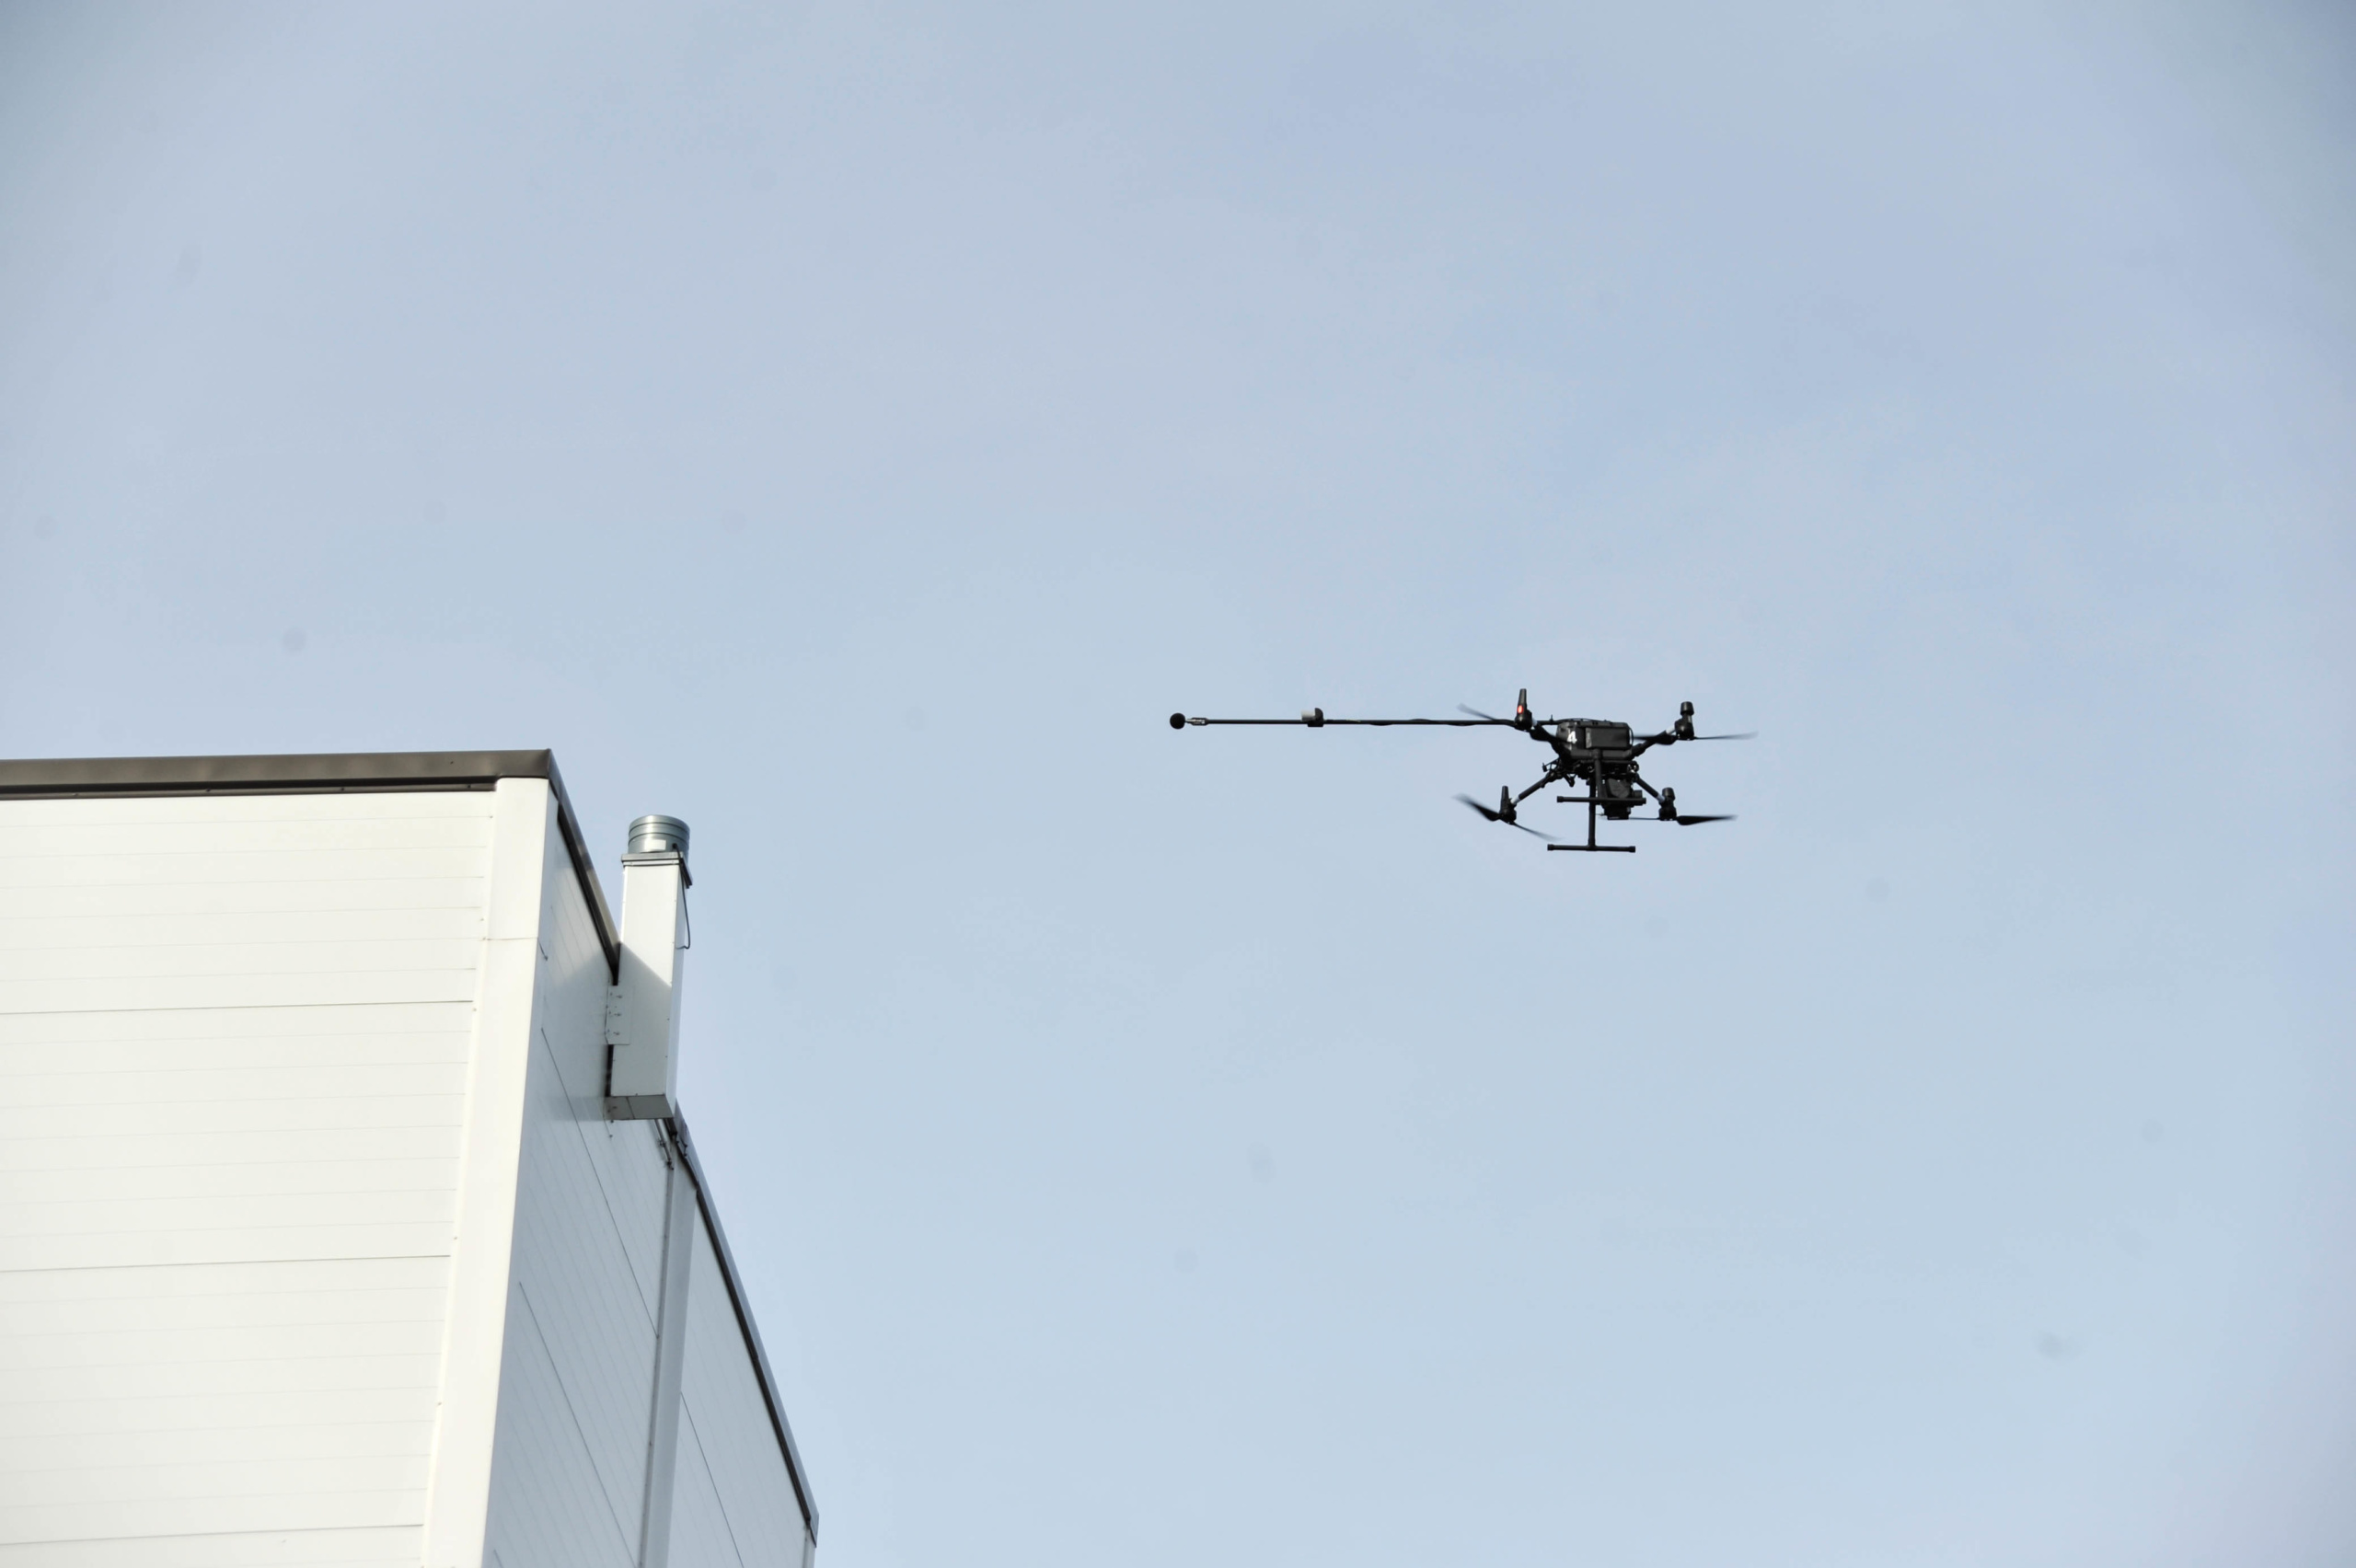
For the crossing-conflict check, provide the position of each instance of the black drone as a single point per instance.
(1599, 753)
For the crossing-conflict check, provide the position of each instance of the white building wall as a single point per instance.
(235, 1039)
(576, 1390)
(743, 1513)
(315, 1244)
(575, 1398)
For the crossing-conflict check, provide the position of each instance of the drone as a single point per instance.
(1600, 753)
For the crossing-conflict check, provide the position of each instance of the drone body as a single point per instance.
(1599, 753)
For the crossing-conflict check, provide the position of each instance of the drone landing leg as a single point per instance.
(1591, 846)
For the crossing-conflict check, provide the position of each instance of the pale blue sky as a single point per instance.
(854, 430)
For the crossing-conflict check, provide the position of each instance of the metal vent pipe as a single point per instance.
(657, 835)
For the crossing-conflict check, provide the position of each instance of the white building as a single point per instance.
(325, 1237)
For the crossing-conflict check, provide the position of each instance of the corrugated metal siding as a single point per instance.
(234, 1036)
(569, 1469)
(735, 1502)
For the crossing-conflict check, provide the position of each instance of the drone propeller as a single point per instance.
(1683, 729)
(1669, 811)
(1522, 718)
(1500, 816)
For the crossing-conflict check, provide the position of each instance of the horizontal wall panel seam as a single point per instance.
(27, 1102)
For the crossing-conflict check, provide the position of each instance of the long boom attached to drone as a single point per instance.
(1600, 753)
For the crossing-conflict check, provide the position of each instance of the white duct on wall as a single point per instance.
(642, 1015)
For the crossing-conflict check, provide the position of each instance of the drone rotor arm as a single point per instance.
(1491, 815)
(1550, 775)
(1182, 720)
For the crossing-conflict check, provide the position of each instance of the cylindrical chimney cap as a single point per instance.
(658, 835)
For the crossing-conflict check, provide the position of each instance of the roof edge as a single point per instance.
(745, 1323)
(322, 770)
(315, 773)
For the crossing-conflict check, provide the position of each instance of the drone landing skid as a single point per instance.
(1590, 847)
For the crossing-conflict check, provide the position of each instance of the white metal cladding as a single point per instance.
(570, 1471)
(234, 1034)
(457, 1496)
(315, 1244)
(727, 1447)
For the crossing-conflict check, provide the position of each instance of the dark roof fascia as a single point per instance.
(687, 1146)
(609, 934)
(313, 773)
